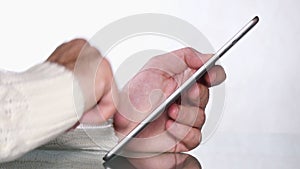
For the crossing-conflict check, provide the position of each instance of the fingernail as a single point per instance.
(174, 112)
(194, 92)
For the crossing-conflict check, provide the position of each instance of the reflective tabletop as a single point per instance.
(223, 150)
(76, 159)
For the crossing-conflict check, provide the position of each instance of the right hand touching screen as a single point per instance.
(178, 128)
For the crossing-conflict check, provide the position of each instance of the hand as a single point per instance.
(94, 75)
(178, 128)
(167, 161)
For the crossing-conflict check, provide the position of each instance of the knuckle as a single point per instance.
(70, 66)
(188, 50)
(156, 58)
(79, 42)
(105, 63)
(193, 113)
(201, 118)
(105, 71)
(94, 51)
(221, 68)
(206, 93)
(202, 91)
(204, 96)
(193, 139)
(222, 73)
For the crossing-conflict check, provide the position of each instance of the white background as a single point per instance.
(262, 93)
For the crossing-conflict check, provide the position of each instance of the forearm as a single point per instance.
(36, 106)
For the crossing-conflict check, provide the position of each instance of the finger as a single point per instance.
(68, 51)
(73, 50)
(186, 115)
(97, 115)
(192, 57)
(108, 106)
(197, 95)
(57, 52)
(178, 61)
(93, 116)
(189, 136)
(104, 82)
(103, 111)
(191, 163)
(70, 65)
(215, 76)
(164, 160)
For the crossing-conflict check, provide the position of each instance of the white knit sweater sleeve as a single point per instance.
(35, 107)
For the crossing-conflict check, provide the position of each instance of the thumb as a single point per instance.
(178, 61)
(100, 113)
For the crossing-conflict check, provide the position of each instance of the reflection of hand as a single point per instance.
(94, 75)
(178, 128)
(166, 161)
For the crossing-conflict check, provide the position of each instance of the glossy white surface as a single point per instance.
(253, 151)
(226, 151)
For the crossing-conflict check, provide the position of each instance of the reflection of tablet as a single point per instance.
(118, 162)
(187, 84)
